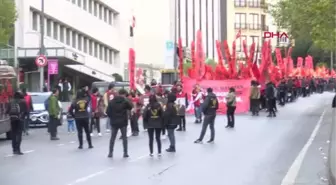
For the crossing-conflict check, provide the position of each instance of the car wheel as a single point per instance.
(8, 135)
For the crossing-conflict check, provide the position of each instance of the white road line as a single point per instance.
(72, 142)
(86, 178)
(60, 144)
(293, 171)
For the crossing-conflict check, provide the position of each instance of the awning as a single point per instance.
(6, 71)
(92, 72)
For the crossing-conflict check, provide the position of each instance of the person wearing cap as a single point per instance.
(209, 108)
(108, 96)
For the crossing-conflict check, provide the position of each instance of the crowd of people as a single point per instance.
(162, 111)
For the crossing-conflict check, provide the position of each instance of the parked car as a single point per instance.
(40, 116)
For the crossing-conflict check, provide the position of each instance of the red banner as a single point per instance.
(221, 88)
(131, 68)
(200, 56)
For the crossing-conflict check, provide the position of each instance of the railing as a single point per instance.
(254, 26)
(240, 3)
(257, 4)
(240, 26)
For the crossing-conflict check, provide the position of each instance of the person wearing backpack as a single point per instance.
(54, 114)
(209, 109)
(29, 104)
(17, 109)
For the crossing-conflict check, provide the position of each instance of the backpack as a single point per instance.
(14, 111)
(46, 104)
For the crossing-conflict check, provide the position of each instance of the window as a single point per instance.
(240, 3)
(111, 57)
(68, 36)
(90, 6)
(101, 9)
(80, 42)
(101, 52)
(85, 45)
(90, 47)
(110, 17)
(74, 1)
(240, 43)
(55, 26)
(61, 33)
(255, 39)
(74, 35)
(255, 21)
(240, 20)
(105, 54)
(49, 27)
(106, 14)
(35, 21)
(85, 4)
(96, 49)
(79, 3)
(95, 8)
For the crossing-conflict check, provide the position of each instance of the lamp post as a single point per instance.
(42, 49)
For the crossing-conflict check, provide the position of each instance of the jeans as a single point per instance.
(255, 106)
(230, 115)
(26, 124)
(16, 135)
(182, 124)
(114, 133)
(198, 113)
(52, 127)
(95, 121)
(71, 125)
(108, 124)
(171, 136)
(157, 132)
(83, 124)
(209, 120)
(134, 123)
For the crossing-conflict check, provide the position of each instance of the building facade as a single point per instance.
(87, 36)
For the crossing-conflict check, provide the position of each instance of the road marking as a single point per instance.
(25, 152)
(293, 171)
(72, 142)
(60, 144)
(86, 178)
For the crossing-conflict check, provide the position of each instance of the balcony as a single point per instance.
(240, 3)
(240, 26)
(255, 26)
(257, 4)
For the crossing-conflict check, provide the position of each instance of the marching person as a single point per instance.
(17, 109)
(255, 96)
(231, 107)
(54, 114)
(209, 108)
(79, 110)
(29, 102)
(144, 99)
(95, 117)
(117, 111)
(282, 92)
(108, 96)
(135, 113)
(152, 116)
(197, 97)
(270, 96)
(182, 103)
(170, 120)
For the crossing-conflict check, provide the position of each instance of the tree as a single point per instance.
(308, 18)
(7, 20)
(117, 77)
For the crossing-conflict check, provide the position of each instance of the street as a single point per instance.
(259, 151)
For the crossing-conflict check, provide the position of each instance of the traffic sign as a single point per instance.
(41, 61)
(169, 45)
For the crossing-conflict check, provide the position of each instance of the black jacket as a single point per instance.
(269, 91)
(23, 107)
(152, 116)
(333, 105)
(170, 118)
(79, 108)
(282, 87)
(210, 104)
(117, 111)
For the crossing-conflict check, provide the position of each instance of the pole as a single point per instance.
(175, 39)
(42, 50)
(331, 60)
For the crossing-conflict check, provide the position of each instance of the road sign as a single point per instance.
(41, 61)
(169, 45)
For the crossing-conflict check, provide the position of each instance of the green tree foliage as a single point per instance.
(117, 77)
(7, 20)
(312, 18)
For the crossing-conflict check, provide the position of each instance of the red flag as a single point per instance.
(131, 68)
(200, 57)
(180, 58)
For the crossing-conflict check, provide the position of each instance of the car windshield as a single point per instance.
(39, 98)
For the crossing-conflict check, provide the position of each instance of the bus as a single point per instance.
(7, 73)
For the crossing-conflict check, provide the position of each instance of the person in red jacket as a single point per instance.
(29, 103)
(198, 97)
(182, 104)
(95, 118)
(135, 112)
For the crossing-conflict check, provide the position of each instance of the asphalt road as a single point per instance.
(259, 151)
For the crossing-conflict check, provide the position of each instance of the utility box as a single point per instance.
(168, 76)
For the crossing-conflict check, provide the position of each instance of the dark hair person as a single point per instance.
(152, 117)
